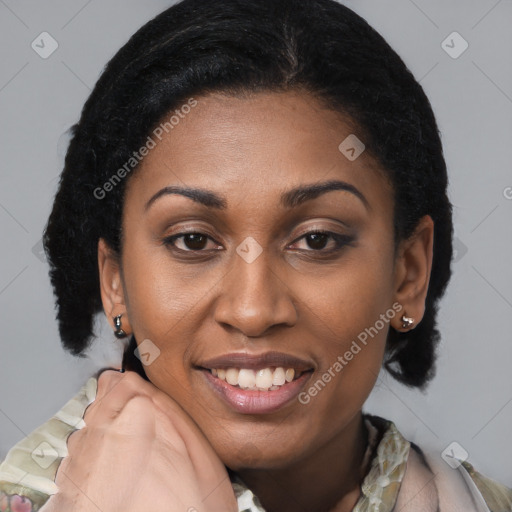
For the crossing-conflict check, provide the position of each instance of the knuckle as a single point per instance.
(109, 379)
(132, 380)
(120, 397)
(88, 408)
(73, 439)
(139, 404)
(106, 378)
(136, 418)
(89, 413)
(133, 385)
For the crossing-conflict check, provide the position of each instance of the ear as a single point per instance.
(111, 287)
(413, 266)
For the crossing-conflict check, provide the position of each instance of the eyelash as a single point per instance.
(340, 241)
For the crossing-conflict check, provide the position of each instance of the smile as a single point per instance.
(256, 384)
(266, 379)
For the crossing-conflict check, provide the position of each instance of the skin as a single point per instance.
(197, 305)
(139, 451)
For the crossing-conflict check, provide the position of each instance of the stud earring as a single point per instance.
(407, 322)
(119, 333)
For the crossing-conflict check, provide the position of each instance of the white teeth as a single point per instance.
(279, 377)
(232, 376)
(290, 373)
(246, 378)
(264, 379)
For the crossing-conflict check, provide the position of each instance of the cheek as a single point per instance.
(162, 297)
(352, 313)
(352, 299)
(159, 303)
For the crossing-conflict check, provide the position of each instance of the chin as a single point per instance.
(253, 455)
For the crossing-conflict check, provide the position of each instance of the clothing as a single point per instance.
(400, 476)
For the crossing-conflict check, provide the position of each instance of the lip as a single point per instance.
(254, 401)
(257, 361)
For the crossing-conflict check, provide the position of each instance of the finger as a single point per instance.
(73, 440)
(116, 391)
(107, 380)
(180, 422)
(132, 385)
(137, 420)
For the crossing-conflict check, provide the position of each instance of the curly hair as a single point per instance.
(238, 47)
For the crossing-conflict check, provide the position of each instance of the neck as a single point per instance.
(330, 477)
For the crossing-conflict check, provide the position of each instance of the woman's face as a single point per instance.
(251, 289)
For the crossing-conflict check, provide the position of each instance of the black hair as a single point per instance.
(236, 47)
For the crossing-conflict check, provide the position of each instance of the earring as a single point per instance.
(407, 322)
(119, 333)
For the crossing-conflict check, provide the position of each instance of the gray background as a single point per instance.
(470, 401)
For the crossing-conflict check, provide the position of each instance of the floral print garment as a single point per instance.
(27, 475)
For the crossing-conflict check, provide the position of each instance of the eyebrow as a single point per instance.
(289, 199)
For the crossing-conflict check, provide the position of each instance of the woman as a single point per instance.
(255, 196)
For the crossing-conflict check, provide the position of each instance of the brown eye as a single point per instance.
(190, 241)
(318, 240)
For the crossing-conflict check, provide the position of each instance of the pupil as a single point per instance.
(315, 238)
(193, 241)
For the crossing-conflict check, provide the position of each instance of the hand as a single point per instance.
(138, 451)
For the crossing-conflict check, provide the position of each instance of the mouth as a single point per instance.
(264, 379)
(257, 384)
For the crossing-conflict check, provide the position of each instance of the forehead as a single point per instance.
(257, 146)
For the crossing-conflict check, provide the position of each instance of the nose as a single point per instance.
(254, 298)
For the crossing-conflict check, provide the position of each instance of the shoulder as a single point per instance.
(455, 485)
(496, 495)
(28, 471)
(430, 482)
